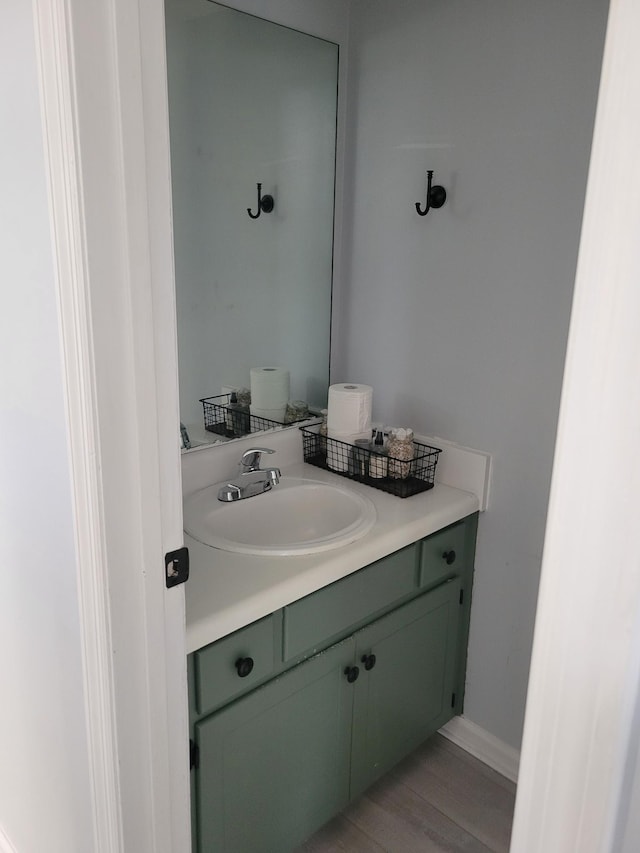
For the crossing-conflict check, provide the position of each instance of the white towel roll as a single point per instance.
(349, 409)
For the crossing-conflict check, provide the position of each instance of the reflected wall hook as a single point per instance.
(265, 204)
(436, 196)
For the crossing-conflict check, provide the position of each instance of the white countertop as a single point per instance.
(227, 591)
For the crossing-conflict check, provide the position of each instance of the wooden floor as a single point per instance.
(438, 799)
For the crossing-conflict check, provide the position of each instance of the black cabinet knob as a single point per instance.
(450, 557)
(244, 666)
(352, 673)
(369, 661)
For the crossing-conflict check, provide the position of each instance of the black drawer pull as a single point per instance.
(369, 661)
(352, 673)
(450, 557)
(244, 666)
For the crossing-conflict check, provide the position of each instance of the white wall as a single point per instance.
(459, 319)
(44, 772)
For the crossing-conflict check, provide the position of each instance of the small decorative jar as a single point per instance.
(244, 414)
(378, 461)
(360, 454)
(401, 452)
(323, 431)
(301, 409)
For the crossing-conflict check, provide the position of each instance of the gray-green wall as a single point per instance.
(459, 319)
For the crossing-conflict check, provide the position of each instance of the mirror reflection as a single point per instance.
(250, 102)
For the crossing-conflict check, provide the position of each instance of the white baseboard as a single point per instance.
(478, 742)
(5, 845)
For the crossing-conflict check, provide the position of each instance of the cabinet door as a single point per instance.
(274, 766)
(406, 694)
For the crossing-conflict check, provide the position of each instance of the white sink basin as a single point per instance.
(297, 516)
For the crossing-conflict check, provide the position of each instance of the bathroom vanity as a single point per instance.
(311, 676)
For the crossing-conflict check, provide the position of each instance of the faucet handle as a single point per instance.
(250, 460)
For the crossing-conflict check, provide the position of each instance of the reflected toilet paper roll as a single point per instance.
(269, 392)
(349, 409)
(277, 415)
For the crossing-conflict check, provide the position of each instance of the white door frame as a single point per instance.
(581, 726)
(106, 134)
(104, 101)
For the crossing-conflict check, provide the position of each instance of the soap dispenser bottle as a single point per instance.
(378, 463)
(243, 396)
(234, 417)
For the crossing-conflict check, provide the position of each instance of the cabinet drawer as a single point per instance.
(443, 555)
(313, 621)
(233, 665)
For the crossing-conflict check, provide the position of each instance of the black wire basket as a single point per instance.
(234, 421)
(222, 419)
(400, 477)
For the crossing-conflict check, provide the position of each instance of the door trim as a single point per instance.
(581, 729)
(65, 200)
(103, 93)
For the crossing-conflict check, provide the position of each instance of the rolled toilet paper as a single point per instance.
(349, 409)
(269, 388)
(270, 414)
(339, 448)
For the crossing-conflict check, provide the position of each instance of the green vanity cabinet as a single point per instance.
(406, 684)
(276, 762)
(329, 614)
(281, 749)
(235, 664)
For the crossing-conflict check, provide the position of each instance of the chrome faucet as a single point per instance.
(251, 479)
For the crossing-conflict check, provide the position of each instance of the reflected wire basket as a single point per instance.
(402, 477)
(222, 419)
(231, 423)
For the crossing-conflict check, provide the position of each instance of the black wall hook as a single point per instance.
(265, 204)
(436, 196)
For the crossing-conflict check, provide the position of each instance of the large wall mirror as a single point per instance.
(250, 102)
